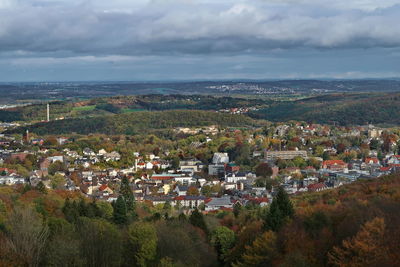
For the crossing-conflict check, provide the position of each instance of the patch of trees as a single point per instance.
(139, 122)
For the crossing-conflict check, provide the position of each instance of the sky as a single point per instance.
(158, 40)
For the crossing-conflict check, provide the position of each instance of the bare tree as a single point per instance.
(27, 235)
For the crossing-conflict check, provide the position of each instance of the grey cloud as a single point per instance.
(192, 27)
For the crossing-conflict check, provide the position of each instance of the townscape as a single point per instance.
(209, 168)
(218, 175)
(200, 133)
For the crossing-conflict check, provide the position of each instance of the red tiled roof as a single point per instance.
(374, 160)
(162, 178)
(333, 162)
(103, 187)
(316, 186)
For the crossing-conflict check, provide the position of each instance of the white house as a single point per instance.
(217, 203)
(220, 158)
(235, 177)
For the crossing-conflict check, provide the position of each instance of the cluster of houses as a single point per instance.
(218, 184)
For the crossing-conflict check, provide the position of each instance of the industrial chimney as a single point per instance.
(48, 112)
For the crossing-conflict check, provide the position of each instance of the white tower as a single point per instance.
(48, 112)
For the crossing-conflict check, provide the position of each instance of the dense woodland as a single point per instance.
(342, 109)
(354, 225)
(140, 122)
(124, 104)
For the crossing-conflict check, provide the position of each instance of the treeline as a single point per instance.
(138, 122)
(122, 104)
(344, 109)
(353, 225)
(36, 112)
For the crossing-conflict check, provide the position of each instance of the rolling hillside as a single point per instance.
(344, 109)
(138, 122)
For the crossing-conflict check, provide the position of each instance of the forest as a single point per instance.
(342, 109)
(139, 122)
(353, 225)
(338, 108)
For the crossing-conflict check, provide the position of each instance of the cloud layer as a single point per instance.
(198, 39)
(194, 27)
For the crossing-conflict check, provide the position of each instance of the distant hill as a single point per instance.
(344, 109)
(139, 122)
(340, 108)
(125, 104)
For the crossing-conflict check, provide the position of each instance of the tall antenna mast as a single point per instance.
(48, 112)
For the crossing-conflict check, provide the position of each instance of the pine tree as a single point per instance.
(274, 219)
(82, 208)
(41, 188)
(197, 219)
(284, 203)
(237, 207)
(69, 210)
(127, 194)
(119, 213)
(280, 210)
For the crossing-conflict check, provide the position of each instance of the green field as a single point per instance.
(84, 108)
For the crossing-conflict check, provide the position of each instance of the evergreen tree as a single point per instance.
(70, 211)
(119, 213)
(197, 219)
(280, 210)
(129, 198)
(284, 203)
(82, 208)
(41, 188)
(236, 209)
(93, 210)
(127, 194)
(274, 219)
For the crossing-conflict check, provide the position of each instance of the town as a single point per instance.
(209, 168)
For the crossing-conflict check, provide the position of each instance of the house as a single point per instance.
(62, 140)
(181, 190)
(185, 180)
(190, 202)
(334, 165)
(157, 200)
(309, 180)
(12, 179)
(56, 158)
(88, 152)
(105, 190)
(232, 167)
(235, 177)
(216, 169)
(217, 203)
(112, 156)
(162, 178)
(395, 159)
(372, 161)
(316, 187)
(287, 154)
(102, 152)
(37, 141)
(220, 158)
(191, 165)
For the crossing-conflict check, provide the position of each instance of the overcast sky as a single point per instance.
(139, 40)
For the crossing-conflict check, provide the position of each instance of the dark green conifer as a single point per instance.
(119, 213)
